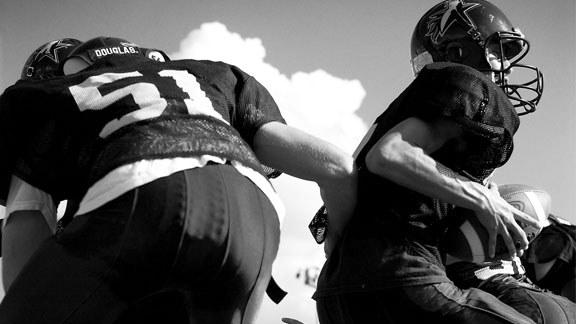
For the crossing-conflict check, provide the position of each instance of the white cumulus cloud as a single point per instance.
(315, 101)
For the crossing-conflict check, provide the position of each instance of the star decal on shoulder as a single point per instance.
(50, 50)
(452, 12)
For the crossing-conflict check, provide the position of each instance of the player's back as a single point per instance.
(126, 109)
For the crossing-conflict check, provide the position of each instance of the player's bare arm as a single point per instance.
(304, 156)
(403, 156)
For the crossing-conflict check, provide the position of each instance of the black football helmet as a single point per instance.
(45, 61)
(476, 33)
(104, 46)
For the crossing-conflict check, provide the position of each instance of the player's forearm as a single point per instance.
(306, 157)
(411, 167)
(23, 233)
(302, 155)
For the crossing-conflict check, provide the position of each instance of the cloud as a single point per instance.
(317, 102)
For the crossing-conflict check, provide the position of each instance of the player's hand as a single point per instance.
(291, 321)
(339, 212)
(499, 218)
(340, 202)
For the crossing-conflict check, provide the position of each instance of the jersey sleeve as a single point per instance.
(465, 96)
(35, 141)
(255, 107)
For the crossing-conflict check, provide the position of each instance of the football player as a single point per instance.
(433, 149)
(479, 35)
(31, 212)
(176, 198)
(474, 43)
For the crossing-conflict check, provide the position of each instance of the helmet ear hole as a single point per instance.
(29, 72)
(454, 53)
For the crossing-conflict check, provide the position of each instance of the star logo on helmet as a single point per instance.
(50, 50)
(453, 11)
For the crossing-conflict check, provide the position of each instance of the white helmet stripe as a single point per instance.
(538, 208)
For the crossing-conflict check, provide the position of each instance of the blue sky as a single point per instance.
(333, 66)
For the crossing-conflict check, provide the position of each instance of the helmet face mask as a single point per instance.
(45, 61)
(476, 33)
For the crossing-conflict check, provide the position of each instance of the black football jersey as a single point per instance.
(448, 90)
(124, 109)
(456, 92)
(394, 234)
